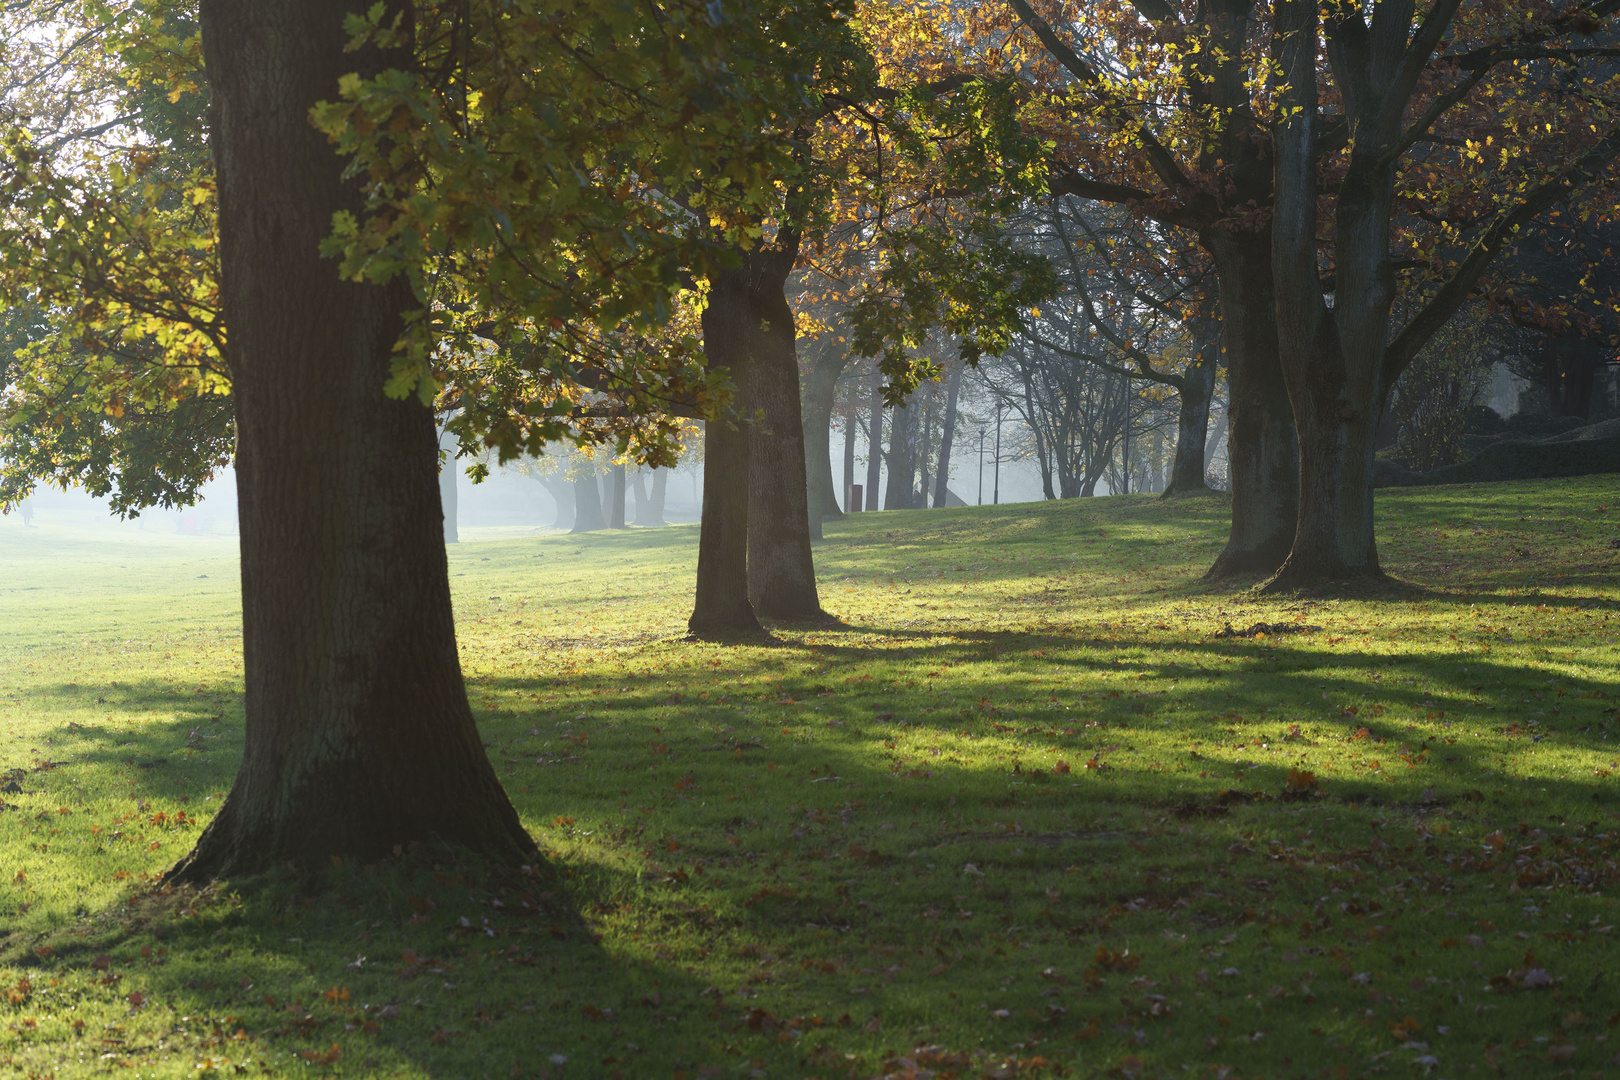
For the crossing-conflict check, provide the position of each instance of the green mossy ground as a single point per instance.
(1027, 808)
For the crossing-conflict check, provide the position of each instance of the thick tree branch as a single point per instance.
(1424, 42)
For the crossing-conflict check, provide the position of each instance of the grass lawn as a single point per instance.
(1032, 811)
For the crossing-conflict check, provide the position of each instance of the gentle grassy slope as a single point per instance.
(1027, 808)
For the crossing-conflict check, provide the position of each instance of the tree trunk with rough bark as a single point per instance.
(1261, 444)
(722, 607)
(781, 568)
(358, 735)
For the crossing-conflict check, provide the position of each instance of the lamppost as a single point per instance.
(981, 466)
(997, 494)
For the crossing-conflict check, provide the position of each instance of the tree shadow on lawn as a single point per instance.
(783, 891)
(431, 966)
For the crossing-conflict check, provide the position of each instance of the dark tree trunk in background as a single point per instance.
(902, 458)
(1261, 444)
(588, 505)
(616, 517)
(447, 495)
(781, 569)
(849, 461)
(827, 361)
(1196, 391)
(947, 436)
(359, 737)
(874, 443)
(1569, 367)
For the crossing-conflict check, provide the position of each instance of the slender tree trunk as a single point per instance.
(826, 363)
(947, 436)
(849, 459)
(925, 473)
(1195, 393)
(902, 459)
(721, 607)
(616, 514)
(588, 505)
(874, 443)
(1261, 444)
(358, 734)
(660, 488)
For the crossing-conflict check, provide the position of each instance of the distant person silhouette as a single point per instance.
(27, 509)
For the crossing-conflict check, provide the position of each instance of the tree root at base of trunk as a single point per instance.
(1370, 584)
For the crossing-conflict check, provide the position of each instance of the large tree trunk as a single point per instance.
(721, 607)
(874, 443)
(826, 363)
(588, 515)
(1261, 444)
(1332, 358)
(781, 568)
(359, 738)
(1196, 391)
(942, 478)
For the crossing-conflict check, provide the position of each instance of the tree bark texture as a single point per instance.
(781, 568)
(588, 515)
(1261, 445)
(1331, 357)
(825, 365)
(947, 436)
(359, 738)
(723, 606)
